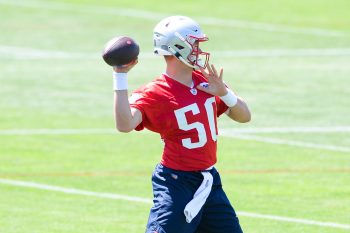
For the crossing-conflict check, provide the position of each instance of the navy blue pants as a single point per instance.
(173, 189)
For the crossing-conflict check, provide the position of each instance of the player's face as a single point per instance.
(196, 47)
(199, 57)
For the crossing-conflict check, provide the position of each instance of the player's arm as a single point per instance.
(238, 110)
(126, 118)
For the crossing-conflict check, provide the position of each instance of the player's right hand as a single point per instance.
(125, 68)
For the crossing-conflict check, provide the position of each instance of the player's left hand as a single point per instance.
(216, 85)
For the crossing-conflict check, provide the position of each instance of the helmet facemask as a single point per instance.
(187, 50)
(198, 57)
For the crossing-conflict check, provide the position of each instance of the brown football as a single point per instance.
(120, 51)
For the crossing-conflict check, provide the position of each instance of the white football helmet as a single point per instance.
(180, 36)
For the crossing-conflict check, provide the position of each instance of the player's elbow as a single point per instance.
(245, 119)
(124, 128)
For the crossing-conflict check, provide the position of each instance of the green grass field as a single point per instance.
(288, 170)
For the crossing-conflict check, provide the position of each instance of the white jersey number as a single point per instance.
(184, 125)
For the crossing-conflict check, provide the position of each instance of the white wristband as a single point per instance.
(120, 81)
(230, 99)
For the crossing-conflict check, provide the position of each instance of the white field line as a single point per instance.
(74, 191)
(286, 142)
(304, 52)
(149, 15)
(56, 131)
(295, 220)
(262, 130)
(24, 53)
(223, 131)
(243, 134)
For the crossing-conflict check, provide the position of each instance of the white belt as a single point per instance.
(195, 205)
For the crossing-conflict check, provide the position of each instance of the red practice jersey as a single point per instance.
(184, 117)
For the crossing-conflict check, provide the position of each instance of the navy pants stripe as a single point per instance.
(173, 189)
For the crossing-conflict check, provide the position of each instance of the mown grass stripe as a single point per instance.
(149, 15)
(74, 191)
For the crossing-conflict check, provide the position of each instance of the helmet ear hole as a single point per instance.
(164, 47)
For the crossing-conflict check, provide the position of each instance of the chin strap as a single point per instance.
(178, 56)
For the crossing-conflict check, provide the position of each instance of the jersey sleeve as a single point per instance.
(138, 100)
(221, 107)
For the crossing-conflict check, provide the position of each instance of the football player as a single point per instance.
(182, 105)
